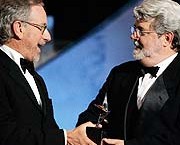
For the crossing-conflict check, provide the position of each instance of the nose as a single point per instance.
(46, 35)
(134, 36)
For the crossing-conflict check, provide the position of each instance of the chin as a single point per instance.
(36, 59)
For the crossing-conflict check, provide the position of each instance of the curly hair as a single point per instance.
(166, 15)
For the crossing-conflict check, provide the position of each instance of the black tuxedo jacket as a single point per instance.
(158, 120)
(22, 120)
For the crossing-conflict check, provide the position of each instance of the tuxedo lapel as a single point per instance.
(20, 79)
(156, 96)
(171, 75)
(155, 99)
(42, 92)
(11, 68)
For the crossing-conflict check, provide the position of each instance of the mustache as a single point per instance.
(140, 52)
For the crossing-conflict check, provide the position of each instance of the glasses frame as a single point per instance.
(42, 28)
(140, 32)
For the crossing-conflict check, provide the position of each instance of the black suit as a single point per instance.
(158, 120)
(22, 120)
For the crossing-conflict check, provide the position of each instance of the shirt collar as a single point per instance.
(13, 54)
(164, 64)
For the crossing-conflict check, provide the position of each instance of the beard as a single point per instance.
(37, 55)
(139, 52)
(37, 58)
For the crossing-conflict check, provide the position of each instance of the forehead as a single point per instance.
(143, 24)
(38, 14)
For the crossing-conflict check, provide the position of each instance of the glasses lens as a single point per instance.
(43, 28)
(132, 29)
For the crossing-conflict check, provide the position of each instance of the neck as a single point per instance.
(149, 61)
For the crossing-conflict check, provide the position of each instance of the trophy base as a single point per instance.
(95, 134)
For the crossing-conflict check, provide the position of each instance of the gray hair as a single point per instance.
(166, 15)
(10, 11)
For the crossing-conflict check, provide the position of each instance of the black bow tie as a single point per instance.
(152, 70)
(26, 64)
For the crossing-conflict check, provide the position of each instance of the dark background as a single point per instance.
(75, 18)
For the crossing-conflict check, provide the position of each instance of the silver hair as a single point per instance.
(10, 11)
(166, 15)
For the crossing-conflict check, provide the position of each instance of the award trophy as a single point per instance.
(96, 133)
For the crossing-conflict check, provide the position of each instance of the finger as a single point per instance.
(87, 142)
(90, 124)
(112, 141)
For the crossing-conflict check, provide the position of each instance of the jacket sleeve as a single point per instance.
(92, 112)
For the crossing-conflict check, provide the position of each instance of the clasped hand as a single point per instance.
(106, 141)
(78, 135)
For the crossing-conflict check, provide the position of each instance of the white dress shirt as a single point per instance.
(147, 81)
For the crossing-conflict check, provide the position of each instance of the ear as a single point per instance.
(18, 29)
(168, 39)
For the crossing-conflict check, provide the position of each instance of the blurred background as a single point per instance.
(88, 39)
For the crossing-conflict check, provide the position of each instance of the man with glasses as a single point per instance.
(26, 112)
(143, 96)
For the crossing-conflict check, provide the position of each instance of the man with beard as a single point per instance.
(143, 96)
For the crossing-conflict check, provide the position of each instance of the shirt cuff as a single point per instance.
(65, 137)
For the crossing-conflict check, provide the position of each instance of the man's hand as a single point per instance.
(112, 141)
(78, 135)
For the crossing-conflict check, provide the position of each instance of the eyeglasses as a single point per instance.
(139, 32)
(42, 28)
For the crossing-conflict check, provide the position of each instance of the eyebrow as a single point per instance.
(139, 27)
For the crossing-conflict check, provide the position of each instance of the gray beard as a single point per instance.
(138, 54)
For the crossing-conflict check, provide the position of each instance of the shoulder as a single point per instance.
(124, 70)
(130, 66)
